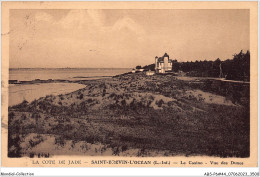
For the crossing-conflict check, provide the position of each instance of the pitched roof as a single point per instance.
(165, 55)
(161, 59)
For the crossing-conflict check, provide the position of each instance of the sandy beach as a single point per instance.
(29, 92)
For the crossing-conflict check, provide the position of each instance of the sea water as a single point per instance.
(30, 74)
(29, 92)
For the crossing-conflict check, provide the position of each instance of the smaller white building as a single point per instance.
(137, 70)
(149, 73)
(140, 70)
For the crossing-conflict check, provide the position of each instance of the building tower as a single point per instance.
(165, 60)
(156, 61)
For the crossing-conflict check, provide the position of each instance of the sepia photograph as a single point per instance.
(129, 83)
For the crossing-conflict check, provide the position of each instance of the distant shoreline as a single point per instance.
(64, 68)
(39, 81)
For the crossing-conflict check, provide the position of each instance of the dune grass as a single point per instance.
(134, 111)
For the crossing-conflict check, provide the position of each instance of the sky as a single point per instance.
(123, 38)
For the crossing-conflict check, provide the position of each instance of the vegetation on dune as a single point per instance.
(134, 111)
(237, 68)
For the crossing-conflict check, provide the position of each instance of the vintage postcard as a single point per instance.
(129, 84)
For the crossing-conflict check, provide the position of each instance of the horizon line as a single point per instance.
(65, 68)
